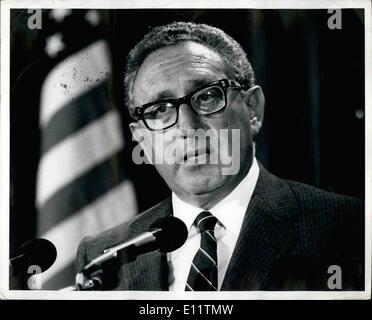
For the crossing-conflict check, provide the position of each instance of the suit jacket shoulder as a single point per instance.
(328, 232)
(330, 223)
(292, 233)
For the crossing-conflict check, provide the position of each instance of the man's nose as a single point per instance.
(187, 118)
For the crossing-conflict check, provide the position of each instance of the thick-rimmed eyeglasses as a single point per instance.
(205, 101)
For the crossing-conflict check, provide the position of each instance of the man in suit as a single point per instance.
(247, 229)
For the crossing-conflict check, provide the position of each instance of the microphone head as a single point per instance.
(39, 252)
(172, 234)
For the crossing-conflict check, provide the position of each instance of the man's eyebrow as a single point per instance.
(196, 83)
(193, 85)
(165, 94)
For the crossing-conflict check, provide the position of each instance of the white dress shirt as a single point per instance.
(230, 213)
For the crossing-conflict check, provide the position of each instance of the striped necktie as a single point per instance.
(203, 270)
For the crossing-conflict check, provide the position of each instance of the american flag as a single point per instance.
(82, 188)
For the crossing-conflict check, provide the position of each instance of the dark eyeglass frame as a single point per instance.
(138, 112)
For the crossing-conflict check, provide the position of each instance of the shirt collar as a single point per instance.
(229, 211)
(184, 211)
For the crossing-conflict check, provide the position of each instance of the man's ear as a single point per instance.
(255, 100)
(143, 137)
(135, 128)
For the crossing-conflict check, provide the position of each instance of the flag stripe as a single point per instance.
(82, 189)
(72, 77)
(62, 164)
(95, 182)
(89, 221)
(75, 115)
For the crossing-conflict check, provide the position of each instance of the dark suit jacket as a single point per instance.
(291, 234)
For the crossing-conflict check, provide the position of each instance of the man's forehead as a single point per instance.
(195, 63)
(170, 57)
(189, 46)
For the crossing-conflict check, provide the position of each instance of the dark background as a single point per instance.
(312, 78)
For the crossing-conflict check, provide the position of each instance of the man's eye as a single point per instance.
(158, 110)
(206, 97)
(162, 109)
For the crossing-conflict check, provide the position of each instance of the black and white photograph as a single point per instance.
(198, 150)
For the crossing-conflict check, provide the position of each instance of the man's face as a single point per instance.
(174, 72)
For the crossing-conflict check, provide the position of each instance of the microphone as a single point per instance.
(39, 252)
(166, 234)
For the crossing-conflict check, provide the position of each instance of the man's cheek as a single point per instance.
(229, 151)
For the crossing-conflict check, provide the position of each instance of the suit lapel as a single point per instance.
(265, 236)
(149, 271)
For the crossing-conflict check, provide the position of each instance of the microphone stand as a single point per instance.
(87, 283)
(84, 283)
(101, 272)
(95, 275)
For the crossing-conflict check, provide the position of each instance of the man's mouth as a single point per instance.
(196, 156)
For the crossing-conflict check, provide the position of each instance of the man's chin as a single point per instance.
(199, 181)
(198, 175)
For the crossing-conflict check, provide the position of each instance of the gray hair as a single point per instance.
(215, 39)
